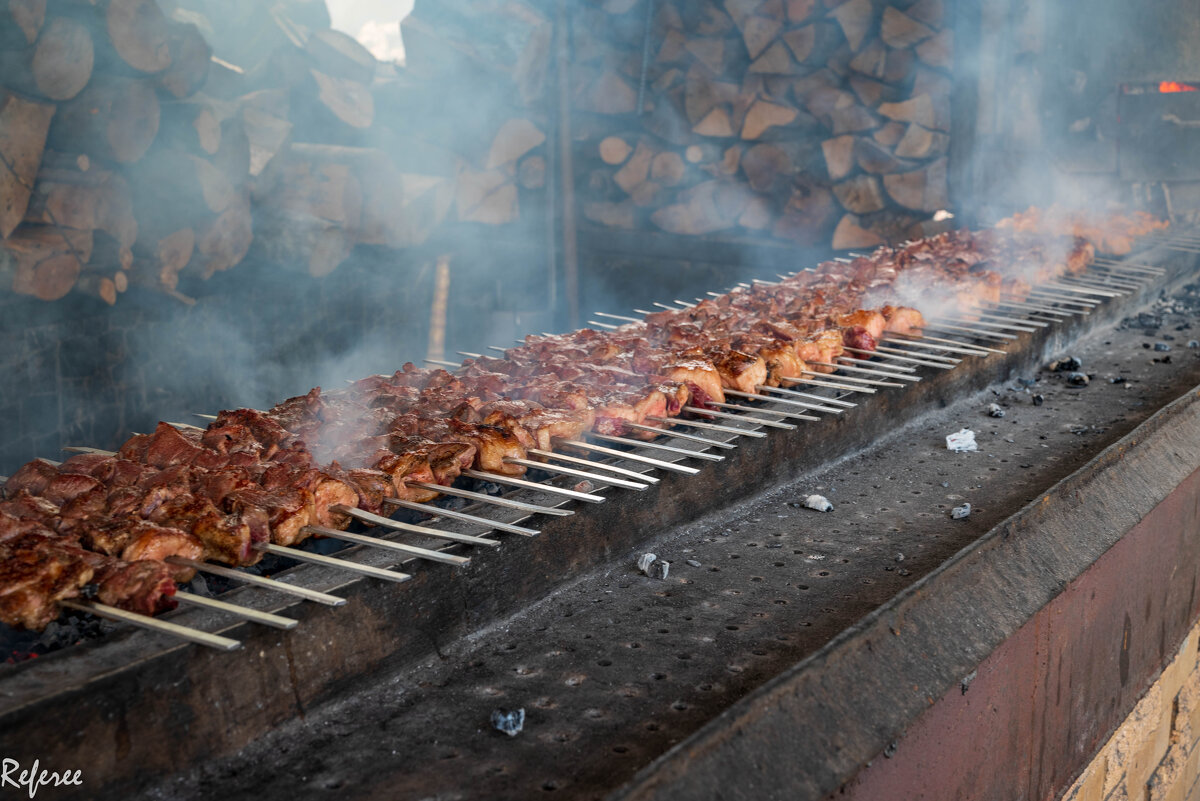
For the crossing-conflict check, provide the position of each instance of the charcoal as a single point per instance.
(1193, 344)
(1078, 379)
(508, 721)
(693, 563)
(961, 512)
(994, 410)
(659, 569)
(1038, 400)
(644, 561)
(1067, 364)
(1161, 347)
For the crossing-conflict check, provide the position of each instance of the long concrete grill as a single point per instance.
(503, 578)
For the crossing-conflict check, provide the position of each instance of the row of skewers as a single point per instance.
(117, 533)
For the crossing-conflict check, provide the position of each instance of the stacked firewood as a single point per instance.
(823, 122)
(145, 140)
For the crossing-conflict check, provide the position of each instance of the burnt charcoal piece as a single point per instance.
(1038, 400)
(509, 721)
(1161, 347)
(1067, 364)
(994, 410)
(1118, 380)
(1078, 380)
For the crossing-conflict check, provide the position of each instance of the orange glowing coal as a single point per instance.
(1176, 86)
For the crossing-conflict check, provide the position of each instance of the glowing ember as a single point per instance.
(1176, 86)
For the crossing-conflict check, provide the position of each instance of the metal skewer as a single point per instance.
(1024, 320)
(1080, 290)
(1046, 297)
(599, 324)
(1087, 283)
(608, 468)
(942, 362)
(852, 369)
(1101, 276)
(258, 581)
(754, 409)
(153, 624)
(676, 421)
(971, 347)
(535, 485)
(974, 332)
(329, 561)
(925, 351)
(715, 443)
(827, 384)
(728, 416)
(482, 497)
(442, 362)
(853, 379)
(633, 457)
(932, 347)
(570, 471)
(710, 457)
(816, 407)
(987, 325)
(387, 522)
(376, 542)
(437, 511)
(252, 615)
(1036, 309)
(888, 368)
(795, 393)
(618, 317)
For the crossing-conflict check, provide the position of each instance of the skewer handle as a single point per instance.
(259, 581)
(154, 624)
(329, 561)
(252, 615)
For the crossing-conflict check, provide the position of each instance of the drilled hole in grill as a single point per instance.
(620, 749)
(733, 628)
(679, 706)
(651, 727)
(658, 676)
(549, 786)
(605, 663)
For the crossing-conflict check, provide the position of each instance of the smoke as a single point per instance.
(375, 23)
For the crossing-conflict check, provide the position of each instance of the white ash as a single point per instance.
(961, 512)
(644, 561)
(995, 410)
(659, 569)
(693, 563)
(962, 441)
(818, 502)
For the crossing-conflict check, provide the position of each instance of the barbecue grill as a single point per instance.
(439, 572)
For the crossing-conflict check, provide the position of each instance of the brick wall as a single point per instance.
(1155, 754)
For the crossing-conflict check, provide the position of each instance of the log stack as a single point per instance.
(822, 122)
(147, 141)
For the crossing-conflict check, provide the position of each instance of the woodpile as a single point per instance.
(145, 142)
(823, 122)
